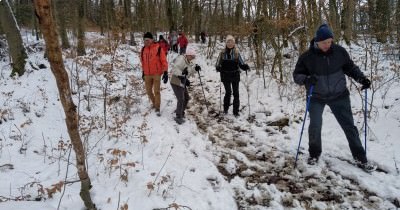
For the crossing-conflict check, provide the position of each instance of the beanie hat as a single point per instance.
(323, 33)
(229, 37)
(190, 51)
(148, 35)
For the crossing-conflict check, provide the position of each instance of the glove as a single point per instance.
(165, 77)
(183, 79)
(185, 71)
(366, 83)
(197, 68)
(245, 67)
(310, 80)
(218, 68)
(187, 83)
(142, 75)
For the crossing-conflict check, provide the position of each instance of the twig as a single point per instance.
(65, 180)
(395, 165)
(159, 172)
(119, 198)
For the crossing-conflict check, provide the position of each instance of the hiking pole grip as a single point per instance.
(304, 120)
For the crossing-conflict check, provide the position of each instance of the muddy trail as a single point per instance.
(263, 175)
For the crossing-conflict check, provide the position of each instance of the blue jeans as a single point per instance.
(341, 109)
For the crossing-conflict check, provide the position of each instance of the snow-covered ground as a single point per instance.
(137, 160)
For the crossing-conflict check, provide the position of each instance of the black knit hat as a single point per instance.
(323, 33)
(148, 35)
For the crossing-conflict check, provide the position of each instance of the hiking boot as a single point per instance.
(179, 120)
(366, 166)
(158, 112)
(312, 161)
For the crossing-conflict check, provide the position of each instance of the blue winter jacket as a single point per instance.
(329, 68)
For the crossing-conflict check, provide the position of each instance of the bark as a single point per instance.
(13, 35)
(48, 27)
(349, 7)
(81, 27)
(60, 17)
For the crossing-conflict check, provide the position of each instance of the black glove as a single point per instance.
(185, 71)
(218, 68)
(366, 83)
(183, 79)
(197, 68)
(165, 77)
(310, 80)
(245, 67)
(187, 83)
(142, 75)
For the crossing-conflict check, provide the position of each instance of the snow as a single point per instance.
(209, 162)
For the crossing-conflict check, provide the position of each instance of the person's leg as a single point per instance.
(314, 129)
(148, 81)
(178, 91)
(185, 100)
(342, 110)
(156, 87)
(227, 97)
(236, 101)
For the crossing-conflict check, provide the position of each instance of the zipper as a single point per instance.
(327, 73)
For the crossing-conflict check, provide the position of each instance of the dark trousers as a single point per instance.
(175, 48)
(182, 97)
(182, 50)
(341, 109)
(229, 87)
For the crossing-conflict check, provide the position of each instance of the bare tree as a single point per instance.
(48, 27)
(13, 34)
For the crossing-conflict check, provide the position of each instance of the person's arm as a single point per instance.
(163, 60)
(242, 64)
(351, 69)
(218, 66)
(300, 72)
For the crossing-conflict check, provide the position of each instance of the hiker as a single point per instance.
(228, 63)
(154, 64)
(182, 67)
(324, 66)
(173, 41)
(182, 42)
(203, 37)
(163, 44)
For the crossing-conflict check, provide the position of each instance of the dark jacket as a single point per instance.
(329, 68)
(228, 64)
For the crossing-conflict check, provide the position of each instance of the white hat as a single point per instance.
(190, 51)
(230, 37)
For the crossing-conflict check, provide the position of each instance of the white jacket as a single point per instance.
(178, 65)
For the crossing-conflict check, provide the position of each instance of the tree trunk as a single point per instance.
(81, 27)
(15, 44)
(349, 6)
(48, 27)
(60, 11)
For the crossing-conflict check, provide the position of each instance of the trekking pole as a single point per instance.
(365, 122)
(304, 120)
(220, 97)
(205, 99)
(248, 92)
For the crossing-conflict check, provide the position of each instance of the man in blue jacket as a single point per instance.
(324, 66)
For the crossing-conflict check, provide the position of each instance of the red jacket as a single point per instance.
(182, 41)
(153, 59)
